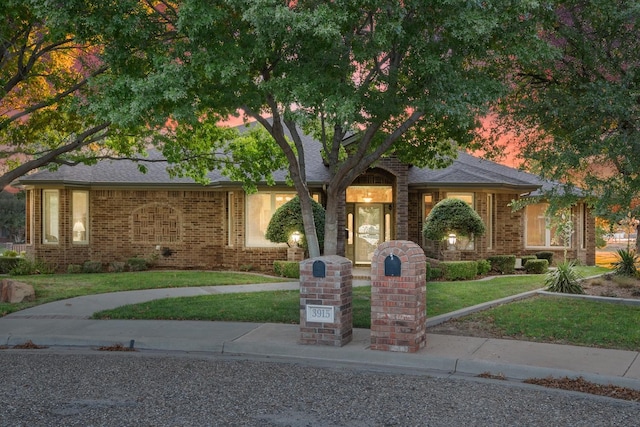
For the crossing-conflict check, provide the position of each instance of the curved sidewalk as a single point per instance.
(67, 323)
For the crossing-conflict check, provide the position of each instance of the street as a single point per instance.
(90, 388)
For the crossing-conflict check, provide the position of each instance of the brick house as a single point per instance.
(111, 212)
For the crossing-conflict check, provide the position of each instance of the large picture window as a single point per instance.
(464, 243)
(80, 208)
(260, 208)
(538, 232)
(50, 216)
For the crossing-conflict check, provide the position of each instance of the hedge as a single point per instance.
(484, 266)
(527, 258)
(536, 266)
(92, 267)
(503, 264)
(545, 255)
(137, 264)
(290, 269)
(460, 270)
(8, 263)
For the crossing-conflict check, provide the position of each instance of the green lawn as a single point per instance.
(283, 306)
(542, 319)
(565, 320)
(53, 287)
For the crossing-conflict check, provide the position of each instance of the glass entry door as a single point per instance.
(368, 230)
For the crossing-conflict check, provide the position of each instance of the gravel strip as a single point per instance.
(49, 388)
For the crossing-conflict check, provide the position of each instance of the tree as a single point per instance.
(405, 78)
(452, 216)
(288, 219)
(12, 216)
(46, 64)
(578, 111)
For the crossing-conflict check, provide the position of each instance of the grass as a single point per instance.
(283, 306)
(53, 287)
(565, 320)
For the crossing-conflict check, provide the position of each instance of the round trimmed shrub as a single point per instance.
(536, 266)
(288, 218)
(452, 216)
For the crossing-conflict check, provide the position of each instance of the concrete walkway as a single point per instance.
(67, 323)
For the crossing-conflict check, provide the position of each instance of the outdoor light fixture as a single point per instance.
(295, 236)
(452, 239)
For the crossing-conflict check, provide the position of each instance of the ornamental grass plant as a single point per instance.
(627, 263)
(564, 279)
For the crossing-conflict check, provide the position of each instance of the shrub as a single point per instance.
(536, 266)
(27, 267)
(117, 266)
(8, 263)
(92, 267)
(503, 264)
(433, 273)
(564, 279)
(74, 268)
(525, 258)
(289, 269)
(452, 215)
(460, 270)
(288, 218)
(137, 264)
(626, 264)
(545, 255)
(10, 254)
(484, 266)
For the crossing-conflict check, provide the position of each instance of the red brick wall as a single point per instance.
(508, 230)
(129, 223)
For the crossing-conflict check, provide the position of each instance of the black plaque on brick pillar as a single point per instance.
(392, 266)
(319, 269)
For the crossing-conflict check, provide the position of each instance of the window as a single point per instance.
(537, 230)
(464, 243)
(231, 219)
(80, 208)
(260, 208)
(489, 221)
(50, 216)
(582, 217)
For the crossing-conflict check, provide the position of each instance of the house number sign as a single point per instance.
(320, 313)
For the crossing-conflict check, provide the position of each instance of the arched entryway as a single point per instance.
(369, 215)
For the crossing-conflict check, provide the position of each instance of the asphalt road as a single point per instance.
(91, 388)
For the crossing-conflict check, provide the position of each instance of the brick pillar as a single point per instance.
(326, 316)
(295, 254)
(398, 297)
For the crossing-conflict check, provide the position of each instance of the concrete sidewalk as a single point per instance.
(67, 323)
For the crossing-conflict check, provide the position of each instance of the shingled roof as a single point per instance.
(465, 171)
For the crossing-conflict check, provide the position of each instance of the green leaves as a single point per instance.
(579, 106)
(288, 218)
(452, 216)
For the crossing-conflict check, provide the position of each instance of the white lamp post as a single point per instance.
(452, 239)
(295, 237)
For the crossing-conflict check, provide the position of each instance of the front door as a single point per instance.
(368, 230)
(369, 220)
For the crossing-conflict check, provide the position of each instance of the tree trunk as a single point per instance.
(331, 225)
(313, 246)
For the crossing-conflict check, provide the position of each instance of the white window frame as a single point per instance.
(50, 217)
(231, 219)
(548, 235)
(257, 223)
(490, 225)
(462, 195)
(79, 219)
